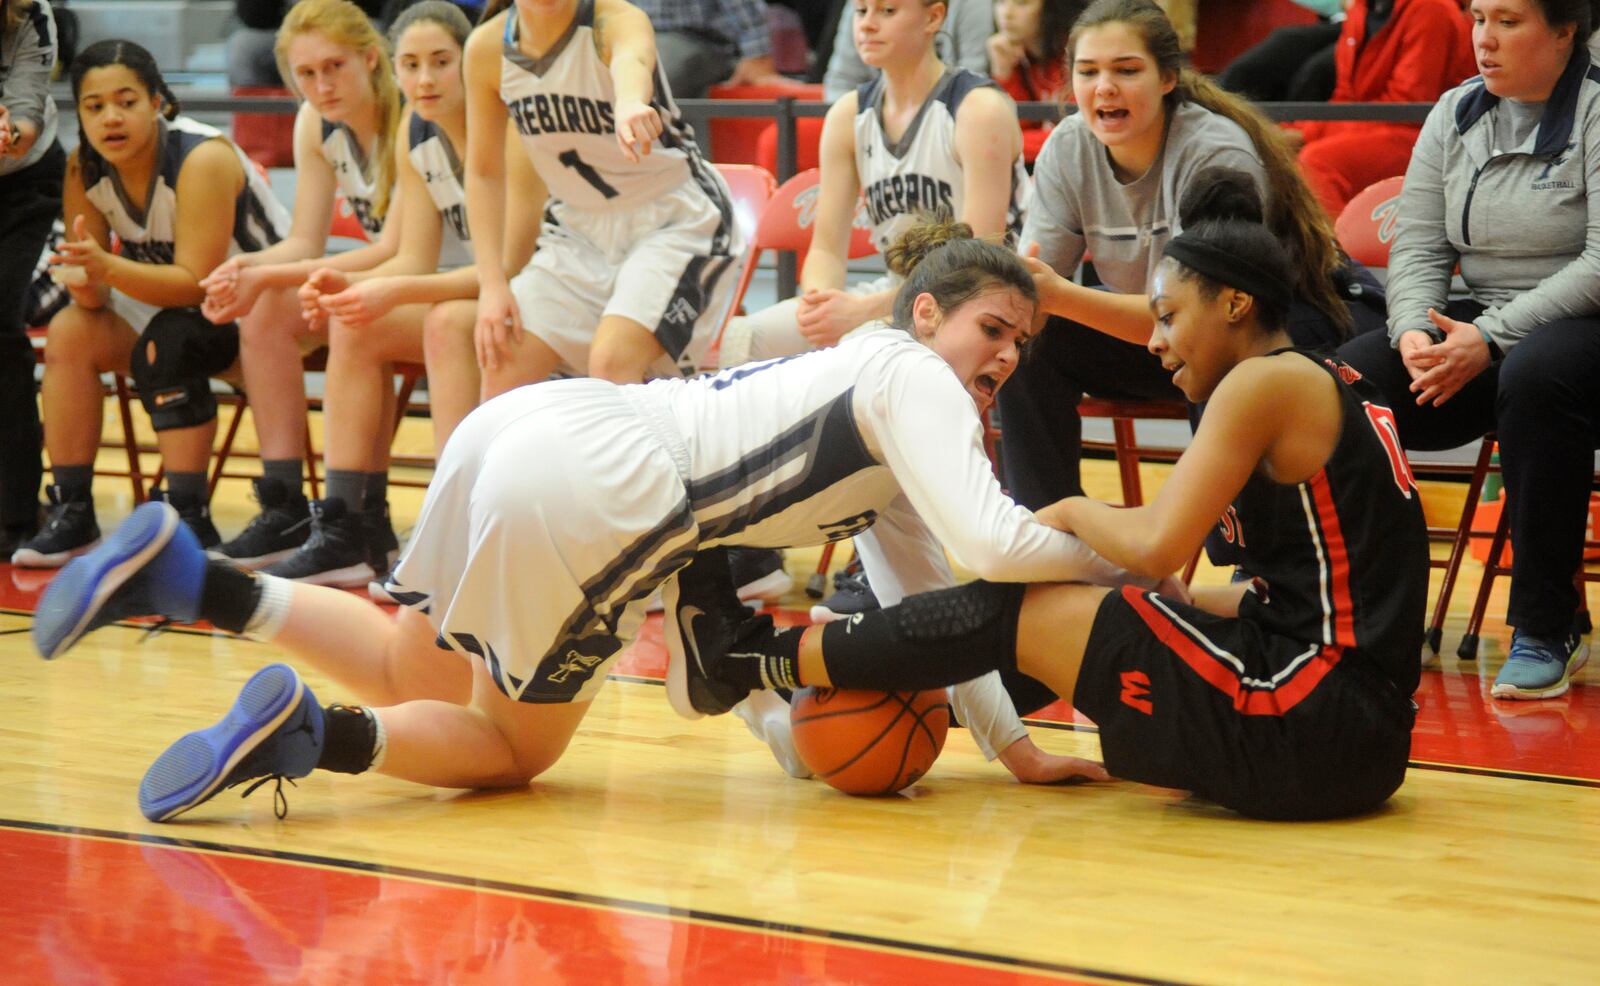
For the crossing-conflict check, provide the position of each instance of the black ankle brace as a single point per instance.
(229, 596)
(350, 739)
(931, 640)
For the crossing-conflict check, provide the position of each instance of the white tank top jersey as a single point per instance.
(918, 174)
(812, 448)
(563, 106)
(440, 167)
(355, 175)
(149, 235)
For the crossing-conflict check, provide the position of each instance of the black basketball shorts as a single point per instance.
(1264, 725)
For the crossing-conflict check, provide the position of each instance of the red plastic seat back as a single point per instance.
(1366, 227)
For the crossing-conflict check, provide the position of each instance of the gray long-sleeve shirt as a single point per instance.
(1523, 222)
(967, 26)
(27, 57)
(1080, 206)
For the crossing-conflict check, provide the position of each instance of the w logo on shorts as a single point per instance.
(681, 312)
(1136, 692)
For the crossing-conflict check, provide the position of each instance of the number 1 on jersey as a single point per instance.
(570, 158)
(1382, 421)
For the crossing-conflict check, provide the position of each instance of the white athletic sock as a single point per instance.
(380, 738)
(272, 612)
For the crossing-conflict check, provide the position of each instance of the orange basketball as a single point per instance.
(865, 742)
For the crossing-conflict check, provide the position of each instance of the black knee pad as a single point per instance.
(984, 609)
(173, 362)
(929, 640)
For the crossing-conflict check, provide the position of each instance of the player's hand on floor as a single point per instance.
(1031, 765)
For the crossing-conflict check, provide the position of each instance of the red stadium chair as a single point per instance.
(345, 223)
(786, 222)
(752, 189)
(1366, 226)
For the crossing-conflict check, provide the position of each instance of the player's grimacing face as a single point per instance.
(427, 63)
(1190, 336)
(981, 338)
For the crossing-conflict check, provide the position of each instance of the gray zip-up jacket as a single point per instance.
(27, 57)
(1522, 222)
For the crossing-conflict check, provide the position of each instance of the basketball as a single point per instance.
(869, 743)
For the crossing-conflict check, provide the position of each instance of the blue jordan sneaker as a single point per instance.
(274, 731)
(152, 565)
(1540, 667)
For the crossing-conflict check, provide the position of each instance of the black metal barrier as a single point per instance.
(786, 110)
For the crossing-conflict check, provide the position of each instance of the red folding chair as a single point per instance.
(752, 189)
(1366, 226)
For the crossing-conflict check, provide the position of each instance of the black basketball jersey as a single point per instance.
(1341, 560)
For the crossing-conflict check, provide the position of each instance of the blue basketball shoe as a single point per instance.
(273, 732)
(152, 565)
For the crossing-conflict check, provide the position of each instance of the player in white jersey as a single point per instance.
(559, 507)
(179, 197)
(634, 271)
(379, 316)
(344, 142)
(922, 139)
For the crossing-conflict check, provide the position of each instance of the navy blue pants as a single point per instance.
(30, 200)
(1543, 401)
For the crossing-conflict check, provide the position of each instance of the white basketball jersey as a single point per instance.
(436, 161)
(917, 175)
(776, 453)
(563, 106)
(356, 176)
(149, 235)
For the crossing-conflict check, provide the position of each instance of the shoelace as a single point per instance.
(280, 801)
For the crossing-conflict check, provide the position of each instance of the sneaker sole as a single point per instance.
(260, 561)
(1579, 658)
(677, 669)
(28, 558)
(770, 587)
(188, 772)
(76, 595)
(352, 577)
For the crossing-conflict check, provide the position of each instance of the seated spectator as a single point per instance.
(1390, 51)
(1292, 64)
(703, 42)
(962, 44)
(1027, 56)
(1521, 354)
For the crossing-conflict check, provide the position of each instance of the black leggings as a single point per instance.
(30, 200)
(1543, 401)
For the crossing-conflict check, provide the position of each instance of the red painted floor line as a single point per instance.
(123, 909)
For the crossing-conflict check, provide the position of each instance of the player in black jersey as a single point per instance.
(1286, 695)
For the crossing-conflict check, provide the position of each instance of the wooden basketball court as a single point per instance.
(663, 851)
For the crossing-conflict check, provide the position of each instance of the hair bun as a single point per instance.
(914, 245)
(1220, 194)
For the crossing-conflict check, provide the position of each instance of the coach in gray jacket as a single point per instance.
(31, 167)
(1505, 183)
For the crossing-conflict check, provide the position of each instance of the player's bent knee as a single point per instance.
(173, 362)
